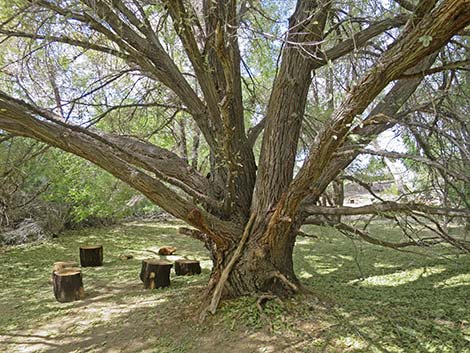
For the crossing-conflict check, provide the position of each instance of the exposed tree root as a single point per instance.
(287, 283)
(263, 299)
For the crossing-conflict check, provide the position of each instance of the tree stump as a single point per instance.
(91, 256)
(155, 273)
(68, 285)
(187, 267)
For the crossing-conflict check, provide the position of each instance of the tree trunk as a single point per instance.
(182, 142)
(265, 265)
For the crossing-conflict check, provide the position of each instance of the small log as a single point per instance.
(166, 250)
(126, 257)
(187, 267)
(155, 273)
(68, 285)
(91, 256)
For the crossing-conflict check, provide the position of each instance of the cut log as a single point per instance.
(166, 250)
(91, 256)
(155, 273)
(126, 257)
(68, 285)
(187, 267)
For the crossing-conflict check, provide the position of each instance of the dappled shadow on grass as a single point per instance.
(396, 302)
(117, 314)
(115, 305)
(101, 324)
(387, 301)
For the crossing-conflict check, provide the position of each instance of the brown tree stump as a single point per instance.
(68, 285)
(187, 267)
(91, 256)
(155, 273)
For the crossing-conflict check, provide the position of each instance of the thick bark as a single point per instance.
(266, 267)
(68, 285)
(187, 267)
(440, 24)
(287, 105)
(218, 73)
(91, 256)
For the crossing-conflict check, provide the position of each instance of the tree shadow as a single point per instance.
(395, 302)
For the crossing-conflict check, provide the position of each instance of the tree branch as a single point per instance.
(66, 40)
(385, 207)
(397, 155)
(407, 5)
(182, 21)
(360, 39)
(347, 229)
(442, 23)
(17, 120)
(321, 58)
(457, 65)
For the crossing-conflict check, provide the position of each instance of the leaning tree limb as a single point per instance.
(226, 271)
(19, 121)
(347, 229)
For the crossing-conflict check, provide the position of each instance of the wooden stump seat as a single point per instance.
(68, 284)
(155, 273)
(91, 256)
(187, 267)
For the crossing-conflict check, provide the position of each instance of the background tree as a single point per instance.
(238, 71)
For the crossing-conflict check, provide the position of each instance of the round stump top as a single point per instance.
(157, 262)
(70, 271)
(91, 247)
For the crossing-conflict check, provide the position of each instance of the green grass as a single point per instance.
(387, 300)
(364, 299)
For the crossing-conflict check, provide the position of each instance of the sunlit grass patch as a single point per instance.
(458, 280)
(401, 277)
(392, 301)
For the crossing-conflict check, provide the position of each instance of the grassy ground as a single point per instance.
(364, 299)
